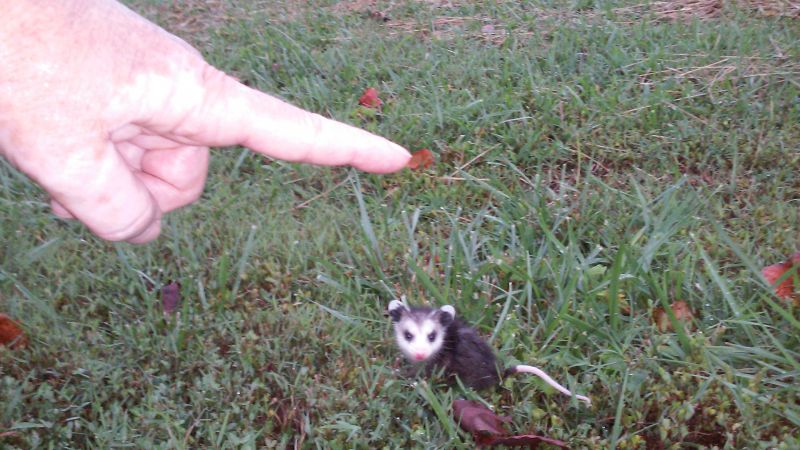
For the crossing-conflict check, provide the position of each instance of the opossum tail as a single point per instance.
(541, 374)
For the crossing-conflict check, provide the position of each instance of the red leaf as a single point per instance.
(170, 297)
(370, 99)
(420, 158)
(682, 314)
(11, 333)
(787, 289)
(478, 419)
(487, 427)
(527, 440)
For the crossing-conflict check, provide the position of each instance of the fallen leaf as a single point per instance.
(378, 15)
(622, 301)
(421, 158)
(527, 440)
(11, 333)
(487, 427)
(478, 419)
(170, 297)
(774, 272)
(790, 286)
(370, 99)
(681, 311)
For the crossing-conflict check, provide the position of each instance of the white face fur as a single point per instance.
(419, 335)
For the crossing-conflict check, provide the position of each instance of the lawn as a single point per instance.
(595, 162)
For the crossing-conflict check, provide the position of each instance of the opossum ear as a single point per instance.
(396, 310)
(446, 314)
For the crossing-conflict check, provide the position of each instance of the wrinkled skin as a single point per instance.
(113, 116)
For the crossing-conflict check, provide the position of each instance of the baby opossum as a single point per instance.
(436, 339)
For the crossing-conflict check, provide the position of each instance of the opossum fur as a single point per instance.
(435, 339)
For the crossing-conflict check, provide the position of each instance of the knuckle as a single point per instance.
(129, 228)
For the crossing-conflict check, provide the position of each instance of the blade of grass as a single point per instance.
(616, 430)
(366, 224)
(242, 263)
(503, 313)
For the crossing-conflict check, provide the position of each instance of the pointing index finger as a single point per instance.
(235, 114)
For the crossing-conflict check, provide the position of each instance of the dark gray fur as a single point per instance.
(464, 354)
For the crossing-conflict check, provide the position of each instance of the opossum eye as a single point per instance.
(408, 336)
(432, 337)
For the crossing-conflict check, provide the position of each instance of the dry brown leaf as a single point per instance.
(370, 99)
(681, 310)
(789, 288)
(488, 430)
(420, 159)
(11, 334)
(170, 297)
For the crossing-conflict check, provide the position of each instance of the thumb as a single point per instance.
(232, 114)
(94, 184)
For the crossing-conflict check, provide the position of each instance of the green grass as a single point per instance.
(595, 159)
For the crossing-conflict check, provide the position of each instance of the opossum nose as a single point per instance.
(419, 356)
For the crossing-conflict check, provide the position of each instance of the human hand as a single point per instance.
(113, 116)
